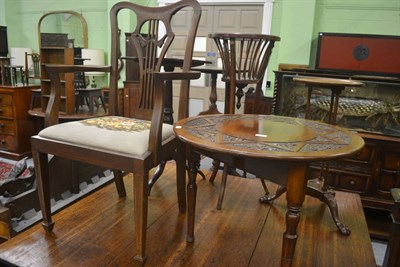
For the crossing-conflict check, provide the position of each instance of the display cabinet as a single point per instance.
(373, 110)
(373, 107)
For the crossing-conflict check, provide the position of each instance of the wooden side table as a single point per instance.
(213, 71)
(91, 95)
(335, 85)
(272, 147)
(319, 187)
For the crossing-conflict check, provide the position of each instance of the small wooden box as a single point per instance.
(54, 39)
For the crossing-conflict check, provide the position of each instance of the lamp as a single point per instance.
(17, 55)
(93, 57)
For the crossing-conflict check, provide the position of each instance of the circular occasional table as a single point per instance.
(272, 147)
(335, 85)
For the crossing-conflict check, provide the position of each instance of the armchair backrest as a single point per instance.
(32, 71)
(152, 36)
(244, 58)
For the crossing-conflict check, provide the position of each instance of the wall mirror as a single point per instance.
(57, 27)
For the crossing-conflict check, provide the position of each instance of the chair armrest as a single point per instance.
(158, 111)
(396, 208)
(54, 71)
(186, 75)
(395, 194)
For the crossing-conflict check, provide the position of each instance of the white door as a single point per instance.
(214, 18)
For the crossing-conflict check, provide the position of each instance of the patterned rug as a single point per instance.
(13, 170)
(5, 169)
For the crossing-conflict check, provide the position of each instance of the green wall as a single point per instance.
(297, 22)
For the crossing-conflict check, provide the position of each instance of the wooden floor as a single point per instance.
(98, 231)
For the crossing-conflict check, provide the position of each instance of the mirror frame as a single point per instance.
(79, 16)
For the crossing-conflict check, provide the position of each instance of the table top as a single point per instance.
(268, 136)
(173, 62)
(321, 81)
(208, 68)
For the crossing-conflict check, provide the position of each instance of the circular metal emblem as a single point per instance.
(360, 52)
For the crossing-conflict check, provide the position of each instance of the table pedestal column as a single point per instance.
(319, 188)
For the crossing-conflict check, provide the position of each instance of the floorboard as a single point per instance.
(98, 230)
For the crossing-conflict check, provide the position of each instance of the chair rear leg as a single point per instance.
(119, 183)
(181, 178)
(216, 164)
(140, 196)
(223, 186)
(40, 161)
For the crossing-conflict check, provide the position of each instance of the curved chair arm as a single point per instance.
(158, 112)
(54, 71)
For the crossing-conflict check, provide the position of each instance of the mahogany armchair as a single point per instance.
(136, 144)
(33, 72)
(245, 59)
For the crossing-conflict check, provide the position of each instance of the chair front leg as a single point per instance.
(140, 196)
(42, 177)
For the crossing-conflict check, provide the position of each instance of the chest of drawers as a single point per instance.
(16, 126)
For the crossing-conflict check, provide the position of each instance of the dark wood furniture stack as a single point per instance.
(138, 144)
(373, 171)
(376, 169)
(58, 55)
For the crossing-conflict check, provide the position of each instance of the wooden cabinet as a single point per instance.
(16, 126)
(58, 55)
(371, 173)
(376, 169)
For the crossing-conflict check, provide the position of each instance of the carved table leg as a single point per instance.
(267, 198)
(317, 188)
(193, 165)
(327, 196)
(296, 191)
(212, 108)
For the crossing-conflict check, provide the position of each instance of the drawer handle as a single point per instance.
(352, 183)
(3, 142)
(1, 110)
(2, 125)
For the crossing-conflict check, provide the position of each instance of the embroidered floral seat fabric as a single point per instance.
(113, 133)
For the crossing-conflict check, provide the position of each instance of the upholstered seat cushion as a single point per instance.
(112, 133)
